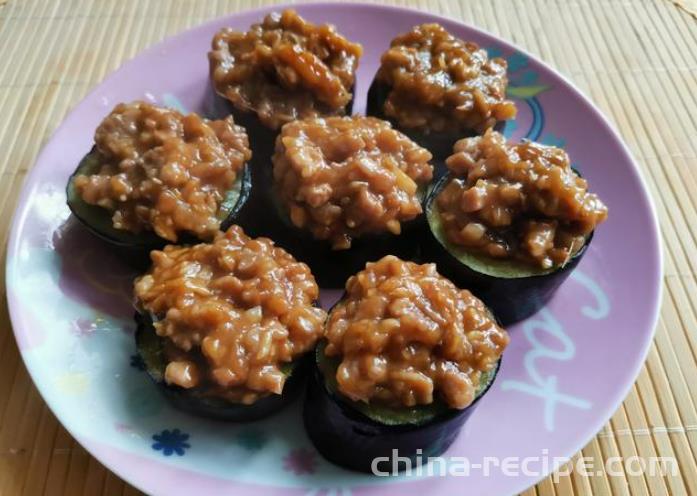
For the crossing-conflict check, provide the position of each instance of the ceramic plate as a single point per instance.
(566, 371)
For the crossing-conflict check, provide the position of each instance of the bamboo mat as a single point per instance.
(637, 59)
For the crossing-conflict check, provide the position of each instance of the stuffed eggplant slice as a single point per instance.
(284, 69)
(510, 221)
(156, 176)
(437, 88)
(224, 328)
(405, 359)
(280, 70)
(347, 190)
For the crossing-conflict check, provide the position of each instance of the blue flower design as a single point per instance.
(494, 52)
(169, 442)
(527, 78)
(516, 61)
(137, 362)
(526, 87)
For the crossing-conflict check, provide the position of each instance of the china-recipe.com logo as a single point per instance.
(515, 466)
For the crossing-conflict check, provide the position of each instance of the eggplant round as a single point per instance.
(136, 247)
(511, 289)
(440, 144)
(330, 267)
(352, 434)
(262, 140)
(201, 402)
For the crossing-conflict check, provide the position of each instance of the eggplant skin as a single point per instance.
(211, 407)
(332, 268)
(262, 140)
(135, 248)
(439, 144)
(511, 299)
(350, 439)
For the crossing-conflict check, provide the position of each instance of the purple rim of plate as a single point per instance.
(620, 311)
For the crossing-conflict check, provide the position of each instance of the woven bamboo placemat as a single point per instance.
(636, 59)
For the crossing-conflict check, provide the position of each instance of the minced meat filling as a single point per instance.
(285, 68)
(163, 171)
(407, 336)
(437, 82)
(517, 201)
(341, 177)
(232, 313)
